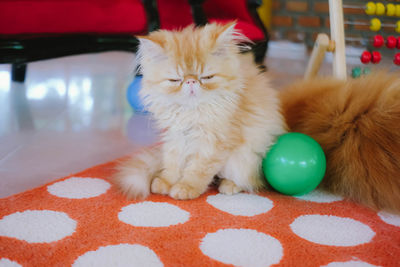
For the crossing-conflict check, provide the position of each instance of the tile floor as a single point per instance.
(72, 113)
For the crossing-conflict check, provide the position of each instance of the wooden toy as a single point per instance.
(336, 42)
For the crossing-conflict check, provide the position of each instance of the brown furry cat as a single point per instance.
(357, 123)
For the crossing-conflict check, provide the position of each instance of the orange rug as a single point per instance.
(82, 220)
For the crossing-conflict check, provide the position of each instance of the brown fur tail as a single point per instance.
(134, 175)
(357, 123)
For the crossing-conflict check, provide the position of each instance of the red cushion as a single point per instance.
(232, 9)
(251, 31)
(174, 14)
(72, 16)
(223, 11)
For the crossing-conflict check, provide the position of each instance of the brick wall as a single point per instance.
(302, 20)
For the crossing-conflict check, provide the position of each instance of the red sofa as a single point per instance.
(72, 16)
(33, 30)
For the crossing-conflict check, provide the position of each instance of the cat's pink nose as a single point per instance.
(190, 81)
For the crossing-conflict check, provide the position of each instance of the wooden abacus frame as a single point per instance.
(334, 44)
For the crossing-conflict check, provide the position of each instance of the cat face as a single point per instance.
(191, 66)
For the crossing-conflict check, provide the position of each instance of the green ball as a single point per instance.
(295, 164)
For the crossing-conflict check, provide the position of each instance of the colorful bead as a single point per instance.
(378, 41)
(380, 9)
(396, 59)
(390, 10)
(366, 71)
(370, 8)
(366, 57)
(356, 72)
(375, 25)
(376, 57)
(391, 42)
(397, 10)
(397, 29)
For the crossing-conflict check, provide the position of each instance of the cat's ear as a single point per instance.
(228, 35)
(150, 49)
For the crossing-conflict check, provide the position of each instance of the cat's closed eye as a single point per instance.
(174, 80)
(207, 77)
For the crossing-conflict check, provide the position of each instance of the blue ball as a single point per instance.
(132, 94)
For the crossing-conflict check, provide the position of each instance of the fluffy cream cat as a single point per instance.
(217, 112)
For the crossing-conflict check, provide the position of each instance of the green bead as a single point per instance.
(356, 72)
(295, 164)
(366, 71)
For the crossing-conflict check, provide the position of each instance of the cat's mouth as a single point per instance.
(192, 91)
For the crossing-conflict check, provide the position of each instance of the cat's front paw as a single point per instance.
(183, 191)
(228, 187)
(160, 186)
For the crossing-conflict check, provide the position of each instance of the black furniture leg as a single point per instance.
(199, 17)
(18, 72)
(259, 50)
(153, 19)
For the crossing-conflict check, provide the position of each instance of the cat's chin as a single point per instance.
(187, 101)
(190, 101)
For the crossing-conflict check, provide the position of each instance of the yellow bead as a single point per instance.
(397, 29)
(375, 25)
(370, 8)
(380, 9)
(390, 10)
(397, 10)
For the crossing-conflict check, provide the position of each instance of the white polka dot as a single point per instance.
(77, 188)
(349, 264)
(37, 226)
(7, 263)
(119, 255)
(243, 247)
(390, 218)
(332, 230)
(153, 214)
(320, 197)
(241, 204)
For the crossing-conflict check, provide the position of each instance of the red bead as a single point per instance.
(378, 41)
(398, 43)
(396, 59)
(391, 42)
(376, 57)
(366, 57)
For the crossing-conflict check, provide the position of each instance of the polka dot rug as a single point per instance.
(81, 220)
